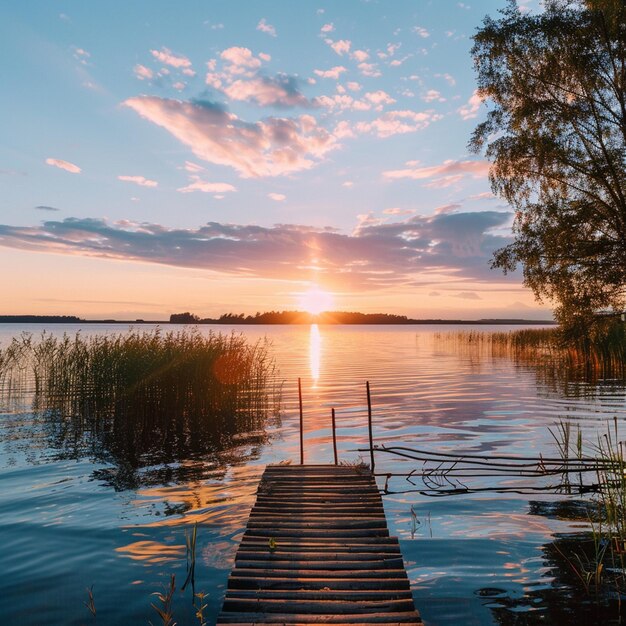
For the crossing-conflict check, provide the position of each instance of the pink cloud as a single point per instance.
(353, 86)
(470, 110)
(448, 78)
(333, 72)
(476, 169)
(422, 32)
(444, 181)
(379, 97)
(398, 122)
(270, 147)
(328, 28)
(240, 60)
(166, 56)
(398, 211)
(142, 72)
(64, 165)
(198, 184)
(139, 180)
(277, 197)
(341, 47)
(279, 91)
(360, 56)
(264, 27)
(433, 95)
(369, 69)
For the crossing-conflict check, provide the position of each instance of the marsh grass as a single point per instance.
(144, 399)
(600, 565)
(599, 354)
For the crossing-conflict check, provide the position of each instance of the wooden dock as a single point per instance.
(317, 550)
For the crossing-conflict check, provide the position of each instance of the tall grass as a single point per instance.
(601, 564)
(600, 353)
(142, 398)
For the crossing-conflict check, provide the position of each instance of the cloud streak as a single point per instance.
(64, 165)
(376, 255)
(139, 180)
(448, 170)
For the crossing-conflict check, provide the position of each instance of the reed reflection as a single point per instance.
(157, 408)
(315, 353)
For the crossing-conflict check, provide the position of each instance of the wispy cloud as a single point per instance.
(139, 180)
(142, 72)
(398, 122)
(82, 56)
(64, 165)
(197, 184)
(421, 31)
(333, 72)
(432, 95)
(241, 60)
(470, 110)
(166, 56)
(277, 197)
(43, 207)
(270, 147)
(341, 47)
(377, 254)
(328, 28)
(369, 69)
(442, 172)
(279, 91)
(264, 27)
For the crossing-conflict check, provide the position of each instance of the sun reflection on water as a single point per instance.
(315, 353)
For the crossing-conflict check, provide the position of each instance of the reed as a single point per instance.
(601, 565)
(165, 598)
(142, 373)
(144, 399)
(599, 353)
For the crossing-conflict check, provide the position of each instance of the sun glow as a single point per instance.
(315, 300)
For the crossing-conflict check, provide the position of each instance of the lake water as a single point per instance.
(73, 516)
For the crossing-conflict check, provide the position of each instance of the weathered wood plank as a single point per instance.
(336, 584)
(249, 619)
(317, 550)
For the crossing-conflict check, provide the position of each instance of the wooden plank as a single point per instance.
(305, 573)
(314, 606)
(245, 555)
(338, 584)
(251, 619)
(317, 550)
(352, 565)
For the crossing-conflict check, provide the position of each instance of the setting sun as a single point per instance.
(315, 300)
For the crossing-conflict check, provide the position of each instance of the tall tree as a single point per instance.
(556, 136)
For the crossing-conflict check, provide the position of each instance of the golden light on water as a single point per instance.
(315, 352)
(315, 300)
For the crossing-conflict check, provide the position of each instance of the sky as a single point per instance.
(231, 156)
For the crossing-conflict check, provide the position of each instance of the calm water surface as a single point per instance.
(76, 512)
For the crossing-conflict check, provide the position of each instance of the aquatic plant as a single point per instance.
(601, 566)
(144, 399)
(599, 353)
(165, 598)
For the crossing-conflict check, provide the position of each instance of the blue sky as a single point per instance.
(222, 156)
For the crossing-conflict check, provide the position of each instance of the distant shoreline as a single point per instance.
(69, 319)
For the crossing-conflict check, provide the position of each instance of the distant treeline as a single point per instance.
(40, 319)
(328, 317)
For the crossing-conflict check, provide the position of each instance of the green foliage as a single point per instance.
(556, 136)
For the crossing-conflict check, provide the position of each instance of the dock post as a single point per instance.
(369, 424)
(301, 423)
(334, 435)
